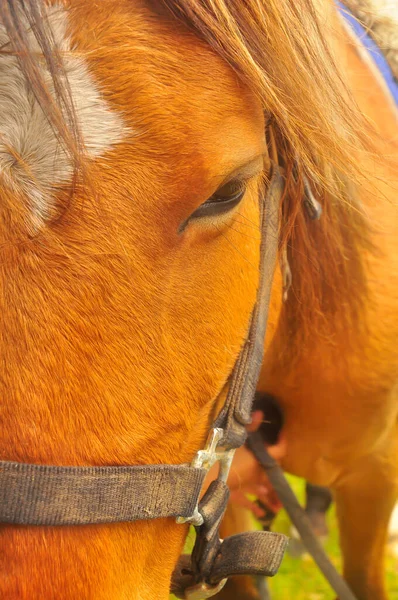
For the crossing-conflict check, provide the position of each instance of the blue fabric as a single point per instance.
(373, 50)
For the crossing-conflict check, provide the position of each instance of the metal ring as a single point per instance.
(204, 590)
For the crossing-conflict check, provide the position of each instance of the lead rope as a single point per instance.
(298, 516)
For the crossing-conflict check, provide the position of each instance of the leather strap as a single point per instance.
(212, 560)
(249, 553)
(47, 495)
(236, 412)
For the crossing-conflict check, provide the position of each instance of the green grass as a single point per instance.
(299, 578)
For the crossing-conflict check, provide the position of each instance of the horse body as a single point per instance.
(338, 386)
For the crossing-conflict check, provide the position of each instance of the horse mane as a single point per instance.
(277, 49)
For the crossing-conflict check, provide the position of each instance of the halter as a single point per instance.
(53, 495)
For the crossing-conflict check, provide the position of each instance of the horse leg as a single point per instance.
(365, 499)
(318, 501)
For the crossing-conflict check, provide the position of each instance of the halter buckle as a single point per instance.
(205, 459)
(204, 590)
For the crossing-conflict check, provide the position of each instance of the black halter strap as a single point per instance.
(54, 495)
(47, 495)
(236, 412)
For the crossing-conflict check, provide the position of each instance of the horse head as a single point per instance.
(132, 157)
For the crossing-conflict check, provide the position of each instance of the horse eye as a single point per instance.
(224, 199)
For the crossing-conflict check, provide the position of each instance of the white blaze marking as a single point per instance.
(26, 133)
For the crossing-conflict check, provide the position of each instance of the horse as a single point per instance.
(333, 367)
(137, 137)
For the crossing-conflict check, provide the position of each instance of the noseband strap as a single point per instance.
(47, 495)
(53, 495)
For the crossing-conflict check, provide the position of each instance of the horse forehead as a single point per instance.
(32, 162)
(163, 78)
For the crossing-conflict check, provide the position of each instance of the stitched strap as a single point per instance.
(48, 495)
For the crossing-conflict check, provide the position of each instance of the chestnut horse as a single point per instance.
(333, 363)
(133, 153)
